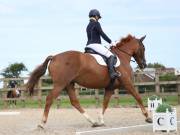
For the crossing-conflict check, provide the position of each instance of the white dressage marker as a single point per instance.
(165, 121)
(153, 104)
(9, 113)
(113, 129)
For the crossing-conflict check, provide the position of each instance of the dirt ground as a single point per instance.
(69, 121)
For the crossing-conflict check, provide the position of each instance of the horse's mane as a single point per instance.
(125, 40)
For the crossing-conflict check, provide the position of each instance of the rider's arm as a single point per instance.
(105, 37)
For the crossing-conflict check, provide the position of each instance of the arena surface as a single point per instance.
(69, 121)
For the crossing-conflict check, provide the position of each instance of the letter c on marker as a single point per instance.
(159, 121)
(171, 121)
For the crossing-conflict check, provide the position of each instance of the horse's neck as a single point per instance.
(123, 54)
(127, 50)
(124, 57)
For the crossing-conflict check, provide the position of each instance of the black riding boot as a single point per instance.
(111, 62)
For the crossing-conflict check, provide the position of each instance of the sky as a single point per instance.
(31, 30)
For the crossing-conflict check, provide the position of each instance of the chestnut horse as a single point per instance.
(72, 67)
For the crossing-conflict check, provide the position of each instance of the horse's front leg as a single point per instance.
(128, 85)
(107, 97)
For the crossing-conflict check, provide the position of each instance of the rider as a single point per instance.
(94, 34)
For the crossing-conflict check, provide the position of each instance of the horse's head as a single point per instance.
(139, 54)
(132, 47)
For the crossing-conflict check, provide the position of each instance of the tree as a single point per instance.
(155, 65)
(14, 70)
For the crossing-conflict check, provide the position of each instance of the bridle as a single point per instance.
(130, 55)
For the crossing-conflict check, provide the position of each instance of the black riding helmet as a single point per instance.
(94, 12)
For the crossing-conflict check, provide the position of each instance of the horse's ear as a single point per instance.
(142, 38)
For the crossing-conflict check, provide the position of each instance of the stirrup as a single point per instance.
(115, 75)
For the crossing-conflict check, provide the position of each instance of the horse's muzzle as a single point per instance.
(143, 65)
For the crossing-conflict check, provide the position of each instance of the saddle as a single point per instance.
(101, 59)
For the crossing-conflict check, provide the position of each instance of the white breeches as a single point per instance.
(100, 49)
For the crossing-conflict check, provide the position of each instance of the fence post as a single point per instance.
(157, 86)
(97, 97)
(116, 96)
(40, 92)
(77, 88)
(58, 102)
(22, 90)
(137, 79)
(5, 84)
(163, 94)
(178, 88)
(137, 90)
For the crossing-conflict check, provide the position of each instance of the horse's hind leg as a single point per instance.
(49, 100)
(75, 102)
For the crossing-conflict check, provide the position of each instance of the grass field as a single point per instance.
(124, 101)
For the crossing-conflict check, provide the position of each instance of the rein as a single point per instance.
(126, 53)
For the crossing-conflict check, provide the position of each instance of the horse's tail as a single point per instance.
(36, 74)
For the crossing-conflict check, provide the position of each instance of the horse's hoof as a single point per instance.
(102, 125)
(148, 120)
(95, 124)
(40, 126)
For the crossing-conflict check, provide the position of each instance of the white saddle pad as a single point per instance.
(101, 61)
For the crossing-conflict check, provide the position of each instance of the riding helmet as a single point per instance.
(94, 12)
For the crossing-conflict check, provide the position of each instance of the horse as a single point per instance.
(72, 67)
(14, 93)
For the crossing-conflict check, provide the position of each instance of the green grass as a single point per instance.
(163, 107)
(92, 102)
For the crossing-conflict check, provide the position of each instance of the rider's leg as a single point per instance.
(111, 61)
(111, 58)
